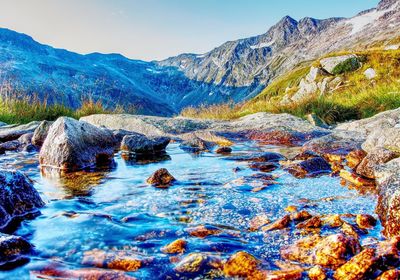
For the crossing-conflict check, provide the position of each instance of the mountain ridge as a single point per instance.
(235, 71)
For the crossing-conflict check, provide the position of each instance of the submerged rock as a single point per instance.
(18, 197)
(13, 250)
(258, 157)
(120, 260)
(72, 145)
(176, 247)
(203, 231)
(309, 168)
(242, 265)
(223, 150)
(281, 223)
(140, 144)
(161, 178)
(197, 263)
(329, 251)
(40, 133)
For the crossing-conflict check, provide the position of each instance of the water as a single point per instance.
(116, 211)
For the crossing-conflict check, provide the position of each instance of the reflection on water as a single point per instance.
(104, 214)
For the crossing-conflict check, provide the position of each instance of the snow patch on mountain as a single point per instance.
(263, 45)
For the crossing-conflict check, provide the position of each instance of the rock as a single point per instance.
(392, 274)
(388, 253)
(3, 124)
(13, 250)
(317, 273)
(18, 197)
(383, 138)
(337, 143)
(224, 150)
(354, 158)
(355, 179)
(388, 207)
(332, 221)
(365, 221)
(374, 158)
(340, 64)
(357, 267)
(295, 274)
(197, 263)
(312, 223)
(309, 168)
(370, 73)
(292, 209)
(264, 166)
(25, 139)
(330, 251)
(148, 125)
(120, 260)
(258, 221)
(242, 265)
(161, 178)
(378, 124)
(203, 231)
(83, 273)
(40, 133)
(13, 132)
(29, 148)
(10, 146)
(279, 224)
(176, 247)
(140, 144)
(258, 157)
(195, 144)
(72, 145)
(301, 216)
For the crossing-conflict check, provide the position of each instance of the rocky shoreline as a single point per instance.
(364, 153)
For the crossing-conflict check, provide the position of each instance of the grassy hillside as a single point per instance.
(358, 97)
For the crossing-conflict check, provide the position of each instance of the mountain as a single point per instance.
(235, 71)
(258, 60)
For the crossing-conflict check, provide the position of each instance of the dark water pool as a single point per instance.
(116, 210)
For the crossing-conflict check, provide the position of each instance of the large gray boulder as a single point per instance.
(13, 132)
(373, 159)
(383, 138)
(340, 64)
(147, 125)
(140, 144)
(40, 133)
(18, 197)
(73, 145)
(388, 207)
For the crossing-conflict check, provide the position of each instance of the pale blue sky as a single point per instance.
(157, 29)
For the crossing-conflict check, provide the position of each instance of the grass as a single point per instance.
(18, 108)
(357, 98)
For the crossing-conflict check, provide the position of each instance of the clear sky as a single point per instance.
(157, 29)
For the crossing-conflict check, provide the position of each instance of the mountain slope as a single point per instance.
(258, 60)
(236, 71)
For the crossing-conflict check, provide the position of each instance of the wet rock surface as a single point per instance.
(72, 145)
(14, 251)
(309, 168)
(140, 144)
(18, 197)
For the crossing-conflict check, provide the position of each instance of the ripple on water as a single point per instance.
(116, 210)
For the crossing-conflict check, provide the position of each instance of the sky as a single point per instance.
(157, 29)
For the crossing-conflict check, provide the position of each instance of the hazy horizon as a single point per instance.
(157, 29)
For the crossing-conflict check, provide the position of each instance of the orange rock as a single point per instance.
(349, 229)
(354, 158)
(393, 274)
(332, 221)
(317, 273)
(291, 209)
(314, 222)
(176, 247)
(258, 222)
(242, 264)
(161, 178)
(279, 224)
(120, 260)
(365, 221)
(355, 179)
(357, 267)
(301, 216)
(330, 251)
(203, 231)
(197, 262)
(284, 275)
(387, 251)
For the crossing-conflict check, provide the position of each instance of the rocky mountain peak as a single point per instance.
(386, 4)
